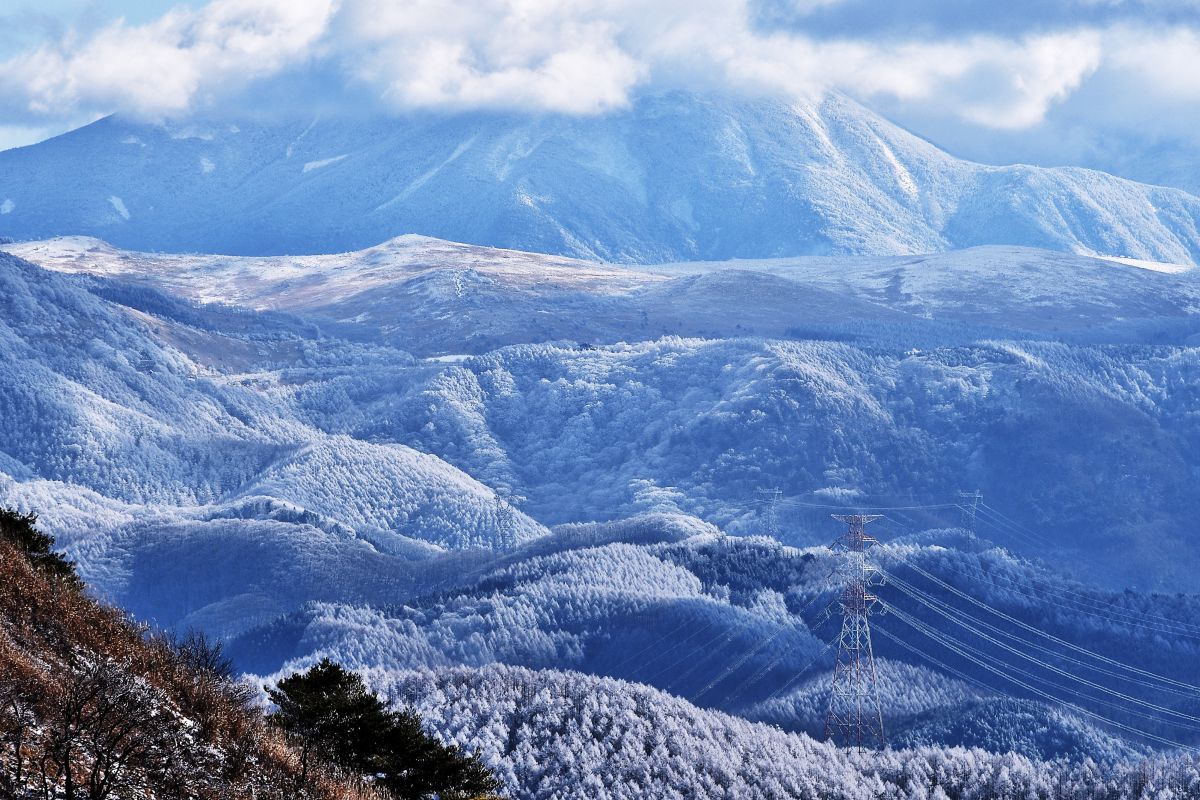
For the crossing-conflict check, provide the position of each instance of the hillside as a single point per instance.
(674, 177)
(738, 624)
(553, 734)
(93, 705)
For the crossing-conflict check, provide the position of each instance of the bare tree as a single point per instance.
(17, 722)
(112, 732)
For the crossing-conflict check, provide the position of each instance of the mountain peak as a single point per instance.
(676, 176)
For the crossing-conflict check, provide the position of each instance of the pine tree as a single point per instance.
(332, 714)
(330, 711)
(21, 530)
(415, 765)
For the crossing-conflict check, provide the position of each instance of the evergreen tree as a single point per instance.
(20, 530)
(331, 712)
(414, 765)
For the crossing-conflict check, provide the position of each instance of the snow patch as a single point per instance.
(425, 177)
(119, 205)
(324, 162)
(1154, 266)
(191, 132)
(904, 178)
(291, 148)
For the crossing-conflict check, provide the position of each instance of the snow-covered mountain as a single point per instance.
(432, 297)
(676, 176)
(425, 455)
(878, 378)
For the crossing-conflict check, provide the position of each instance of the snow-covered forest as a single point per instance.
(555, 542)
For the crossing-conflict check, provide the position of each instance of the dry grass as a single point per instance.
(92, 705)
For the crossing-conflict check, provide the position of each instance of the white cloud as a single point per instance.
(993, 82)
(1165, 62)
(165, 66)
(556, 56)
(576, 56)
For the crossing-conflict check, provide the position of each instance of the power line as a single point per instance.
(796, 676)
(1002, 516)
(962, 676)
(1008, 676)
(756, 677)
(749, 654)
(1087, 604)
(948, 614)
(1050, 636)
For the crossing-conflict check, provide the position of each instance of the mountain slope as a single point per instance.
(138, 426)
(432, 297)
(921, 374)
(551, 734)
(677, 176)
(94, 705)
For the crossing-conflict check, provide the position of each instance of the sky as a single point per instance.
(1109, 83)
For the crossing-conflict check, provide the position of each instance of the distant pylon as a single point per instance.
(968, 503)
(506, 524)
(855, 715)
(771, 523)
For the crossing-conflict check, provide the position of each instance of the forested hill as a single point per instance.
(562, 735)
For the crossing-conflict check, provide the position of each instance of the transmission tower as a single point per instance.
(855, 715)
(771, 513)
(968, 502)
(506, 524)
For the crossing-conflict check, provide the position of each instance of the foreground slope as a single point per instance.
(90, 706)
(676, 176)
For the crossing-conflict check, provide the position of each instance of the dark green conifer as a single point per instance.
(21, 531)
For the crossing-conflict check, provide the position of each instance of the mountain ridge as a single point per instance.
(675, 177)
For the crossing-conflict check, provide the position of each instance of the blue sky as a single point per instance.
(1049, 81)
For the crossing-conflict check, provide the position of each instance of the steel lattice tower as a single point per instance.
(855, 715)
(506, 524)
(772, 517)
(968, 503)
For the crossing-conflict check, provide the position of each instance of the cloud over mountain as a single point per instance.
(585, 57)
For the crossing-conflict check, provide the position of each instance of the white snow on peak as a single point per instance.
(324, 162)
(674, 177)
(119, 205)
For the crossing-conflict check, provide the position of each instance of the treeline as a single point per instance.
(94, 706)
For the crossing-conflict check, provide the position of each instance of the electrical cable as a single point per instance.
(1050, 636)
